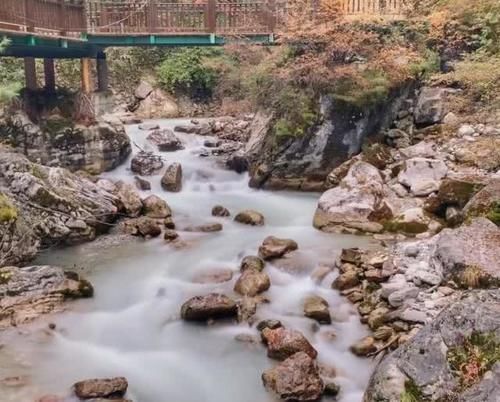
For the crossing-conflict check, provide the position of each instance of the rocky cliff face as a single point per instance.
(58, 142)
(303, 163)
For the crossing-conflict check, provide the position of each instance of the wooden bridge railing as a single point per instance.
(119, 17)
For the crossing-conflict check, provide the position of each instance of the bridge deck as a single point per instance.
(81, 28)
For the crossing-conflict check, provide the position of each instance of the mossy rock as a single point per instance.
(458, 192)
(8, 212)
(378, 155)
(397, 226)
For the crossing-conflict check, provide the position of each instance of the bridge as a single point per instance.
(83, 29)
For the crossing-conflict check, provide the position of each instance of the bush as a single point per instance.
(7, 211)
(185, 71)
(11, 76)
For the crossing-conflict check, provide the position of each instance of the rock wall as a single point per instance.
(58, 142)
(303, 163)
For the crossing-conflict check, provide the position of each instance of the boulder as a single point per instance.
(485, 202)
(220, 211)
(250, 217)
(211, 306)
(156, 207)
(422, 175)
(252, 262)
(273, 247)
(252, 282)
(112, 388)
(447, 357)
(410, 221)
(165, 140)
(357, 202)
(28, 292)
(430, 107)
(283, 343)
(142, 184)
(470, 254)
(146, 163)
(346, 280)
(143, 90)
(130, 199)
(317, 308)
(172, 179)
(295, 379)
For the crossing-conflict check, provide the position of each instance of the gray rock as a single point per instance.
(423, 359)
(430, 107)
(165, 140)
(155, 207)
(146, 164)
(422, 175)
(172, 179)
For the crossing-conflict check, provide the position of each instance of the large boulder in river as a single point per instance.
(146, 163)
(357, 202)
(155, 207)
(28, 292)
(250, 217)
(456, 356)
(273, 247)
(211, 306)
(252, 282)
(42, 205)
(422, 175)
(283, 343)
(165, 140)
(295, 379)
(112, 388)
(172, 179)
(470, 254)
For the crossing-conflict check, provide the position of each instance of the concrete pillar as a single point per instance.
(50, 75)
(30, 73)
(86, 76)
(102, 72)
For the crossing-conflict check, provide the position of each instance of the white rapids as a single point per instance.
(131, 327)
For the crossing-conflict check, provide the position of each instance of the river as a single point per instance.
(132, 328)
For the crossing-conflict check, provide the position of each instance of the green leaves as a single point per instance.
(184, 71)
(10, 75)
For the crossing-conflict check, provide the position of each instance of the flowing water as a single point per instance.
(132, 328)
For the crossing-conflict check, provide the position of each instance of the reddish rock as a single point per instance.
(273, 247)
(211, 306)
(282, 343)
(101, 388)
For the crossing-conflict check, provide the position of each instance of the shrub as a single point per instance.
(470, 361)
(7, 211)
(184, 71)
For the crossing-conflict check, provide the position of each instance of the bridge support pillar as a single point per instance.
(86, 76)
(102, 72)
(50, 75)
(30, 73)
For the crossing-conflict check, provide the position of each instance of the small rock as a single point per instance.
(317, 308)
(270, 324)
(252, 282)
(172, 179)
(297, 379)
(170, 235)
(364, 346)
(206, 228)
(165, 140)
(101, 388)
(143, 226)
(383, 333)
(148, 126)
(331, 389)
(155, 207)
(283, 343)
(146, 164)
(220, 211)
(346, 280)
(466, 130)
(249, 217)
(252, 262)
(377, 317)
(142, 184)
(273, 247)
(211, 306)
